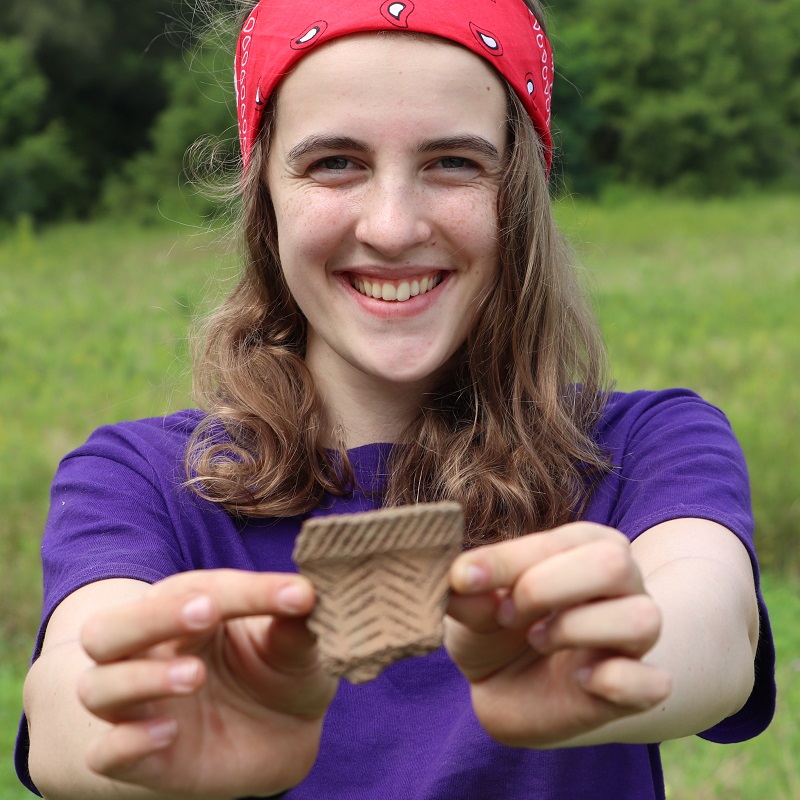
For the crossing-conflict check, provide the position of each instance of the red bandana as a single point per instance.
(504, 32)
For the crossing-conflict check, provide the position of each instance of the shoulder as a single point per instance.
(153, 445)
(120, 508)
(626, 413)
(656, 426)
(127, 476)
(672, 454)
(138, 462)
(168, 433)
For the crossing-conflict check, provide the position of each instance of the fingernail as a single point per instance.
(507, 612)
(537, 636)
(197, 612)
(474, 577)
(292, 598)
(183, 676)
(583, 676)
(162, 731)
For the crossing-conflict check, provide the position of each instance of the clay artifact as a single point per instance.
(381, 583)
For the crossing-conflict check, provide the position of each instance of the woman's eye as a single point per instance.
(454, 162)
(335, 163)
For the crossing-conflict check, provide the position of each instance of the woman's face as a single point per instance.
(383, 169)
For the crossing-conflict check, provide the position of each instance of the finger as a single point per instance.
(300, 685)
(479, 655)
(628, 625)
(578, 692)
(600, 569)
(626, 683)
(499, 565)
(478, 612)
(192, 603)
(119, 692)
(118, 751)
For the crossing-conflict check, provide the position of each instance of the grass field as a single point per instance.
(93, 326)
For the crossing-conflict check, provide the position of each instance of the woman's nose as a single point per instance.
(392, 218)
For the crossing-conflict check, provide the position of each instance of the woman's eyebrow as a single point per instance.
(465, 142)
(312, 144)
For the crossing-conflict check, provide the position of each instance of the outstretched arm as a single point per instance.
(203, 685)
(576, 637)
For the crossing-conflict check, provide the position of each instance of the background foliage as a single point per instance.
(99, 99)
(98, 66)
(700, 97)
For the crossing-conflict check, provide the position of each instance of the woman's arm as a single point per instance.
(700, 576)
(597, 640)
(60, 727)
(203, 685)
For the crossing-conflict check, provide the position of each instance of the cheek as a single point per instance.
(473, 222)
(308, 227)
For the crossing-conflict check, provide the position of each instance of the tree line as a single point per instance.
(100, 99)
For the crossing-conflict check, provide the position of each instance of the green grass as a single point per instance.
(93, 324)
(10, 699)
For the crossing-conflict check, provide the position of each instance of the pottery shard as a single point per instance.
(381, 583)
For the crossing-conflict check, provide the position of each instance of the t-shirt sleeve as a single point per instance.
(676, 456)
(108, 518)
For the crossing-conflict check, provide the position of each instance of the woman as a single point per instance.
(407, 328)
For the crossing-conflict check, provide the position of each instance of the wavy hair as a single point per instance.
(507, 433)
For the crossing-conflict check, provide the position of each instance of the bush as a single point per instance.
(158, 182)
(38, 171)
(698, 99)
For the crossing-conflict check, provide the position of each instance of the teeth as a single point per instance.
(395, 293)
(389, 292)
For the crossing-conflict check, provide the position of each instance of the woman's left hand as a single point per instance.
(550, 631)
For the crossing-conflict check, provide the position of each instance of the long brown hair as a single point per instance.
(508, 434)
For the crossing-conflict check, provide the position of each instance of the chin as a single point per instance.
(418, 376)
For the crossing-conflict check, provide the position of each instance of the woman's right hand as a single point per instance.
(210, 683)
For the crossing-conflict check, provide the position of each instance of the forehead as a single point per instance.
(394, 78)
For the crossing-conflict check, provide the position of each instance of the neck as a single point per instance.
(361, 410)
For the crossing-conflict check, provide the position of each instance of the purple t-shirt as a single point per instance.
(118, 511)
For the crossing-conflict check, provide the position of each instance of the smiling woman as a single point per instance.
(387, 177)
(472, 191)
(407, 328)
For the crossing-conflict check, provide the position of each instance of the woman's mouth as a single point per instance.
(398, 290)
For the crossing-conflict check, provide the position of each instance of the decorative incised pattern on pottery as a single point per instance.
(381, 584)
